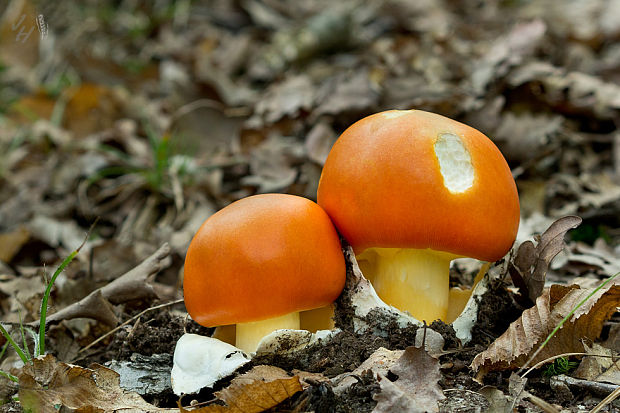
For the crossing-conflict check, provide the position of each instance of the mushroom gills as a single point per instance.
(412, 280)
(250, 334)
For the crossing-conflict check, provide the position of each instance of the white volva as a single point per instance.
(201, 361)
(454, 163)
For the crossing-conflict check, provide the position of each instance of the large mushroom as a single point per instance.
(411, 191)
(260, 261)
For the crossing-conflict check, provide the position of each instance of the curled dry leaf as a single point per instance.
(416, 389)
(513, 348)
(529, 267)
(46, 385)
(258, 390)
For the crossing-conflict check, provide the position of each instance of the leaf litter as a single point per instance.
(152, 117)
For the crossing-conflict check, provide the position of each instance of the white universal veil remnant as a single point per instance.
(201, 361)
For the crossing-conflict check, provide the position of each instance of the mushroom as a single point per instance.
(411, 191)
(260, 261)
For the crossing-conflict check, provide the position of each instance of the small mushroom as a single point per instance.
(260, 261)
(411, 191)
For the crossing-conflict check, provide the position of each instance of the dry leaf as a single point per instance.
(416, 389)
(346, 93)
(271, 164)
(47, 385)
(287, 98)
(379, 362)
(529, 266)
(508, 51)
(319, 142)
(594, 368)
(258, 390)
(513, 348)
(11, 242)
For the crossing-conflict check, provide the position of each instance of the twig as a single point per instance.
(546, 407)
(613, 396)
(596, 387)
(129, 321)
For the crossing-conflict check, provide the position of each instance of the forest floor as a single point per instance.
(134, 121)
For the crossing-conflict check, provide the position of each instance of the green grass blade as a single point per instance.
(9, 376)
(4, 347)
(46, 297)
(13, 344)
(48, 290)
(24, 342)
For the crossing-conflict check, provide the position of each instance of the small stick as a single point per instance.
(597, 387)
(613, 396)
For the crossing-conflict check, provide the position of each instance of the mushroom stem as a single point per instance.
(412, 280)
(321, 318)
(250, 334)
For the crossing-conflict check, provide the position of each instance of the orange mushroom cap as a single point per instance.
(383, 187)
(261, 257)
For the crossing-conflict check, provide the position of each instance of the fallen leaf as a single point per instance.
(520, 135)
(86, 109)
(416, 389)
(529, 266)
(11, 242)
(90, 108)
(46, 385)
(570, 92)
(507, 51)
(379, 363)
(319, 142)
(271, 164)
(258, 390)
(347, 93)
(498, 401)
(513, 348)
(287, 98)
(595, 368)
(24, 292)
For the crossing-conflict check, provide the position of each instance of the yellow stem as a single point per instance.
(412, 280)
(250, 334)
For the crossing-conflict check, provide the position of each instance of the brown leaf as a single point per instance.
(530, 264)
(416, 389)
(513, 348)
(258, 390)
(47, 385)
(11, 242)
(606, 369)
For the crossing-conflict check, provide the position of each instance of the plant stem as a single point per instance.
(48, 290)
(14, 344)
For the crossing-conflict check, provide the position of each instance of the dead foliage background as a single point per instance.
(153, 115)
